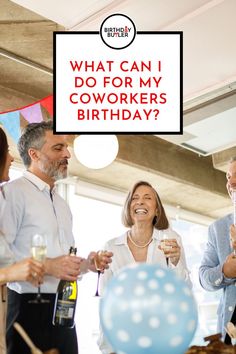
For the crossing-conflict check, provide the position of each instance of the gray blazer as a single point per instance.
(210, 272)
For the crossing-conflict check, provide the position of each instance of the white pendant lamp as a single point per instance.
(96, 151)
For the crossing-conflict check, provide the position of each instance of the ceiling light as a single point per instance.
(96, 151)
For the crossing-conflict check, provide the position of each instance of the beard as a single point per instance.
(52, 168)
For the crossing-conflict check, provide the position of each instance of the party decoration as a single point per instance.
(11, 122)
(147, 309)
(96, 151)
(33, 113)
(47, 103)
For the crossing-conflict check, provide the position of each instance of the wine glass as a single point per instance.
(166, 235)
(99, 268)
(39, 252)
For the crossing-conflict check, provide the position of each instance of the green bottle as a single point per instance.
(65, 302)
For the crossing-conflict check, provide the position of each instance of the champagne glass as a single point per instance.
(165, 235)
(39, 252)
(99, 268)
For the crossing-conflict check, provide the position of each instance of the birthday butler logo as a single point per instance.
(118, 80)
(118, 36)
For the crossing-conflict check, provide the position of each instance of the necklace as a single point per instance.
(135, 244)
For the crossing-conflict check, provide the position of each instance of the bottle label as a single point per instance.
(73, 292)
(65, 309)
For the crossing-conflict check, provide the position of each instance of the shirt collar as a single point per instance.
(38, 182)
(122, 240)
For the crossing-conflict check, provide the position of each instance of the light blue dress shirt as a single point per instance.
(210, 272)
(30, 210)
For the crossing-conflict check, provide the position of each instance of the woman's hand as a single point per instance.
(26, 270)
(104, 260)
(172, 250)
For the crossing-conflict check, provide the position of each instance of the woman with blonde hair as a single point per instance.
(144, 216)
(27, 269)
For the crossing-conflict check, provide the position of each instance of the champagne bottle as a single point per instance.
(65, 302)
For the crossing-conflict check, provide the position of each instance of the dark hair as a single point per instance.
(3, 151)
(160, 222)
(33, 136)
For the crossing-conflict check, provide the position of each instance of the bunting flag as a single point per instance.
(47, 103)
(11, 122)
(33, 113)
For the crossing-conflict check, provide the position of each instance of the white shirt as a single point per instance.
(122, 256)
(29, 210)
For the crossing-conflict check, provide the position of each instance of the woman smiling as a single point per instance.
(144, 216)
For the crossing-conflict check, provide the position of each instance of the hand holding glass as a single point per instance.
(165, 247)
(39, 252)
(165, 237)
(99, 267)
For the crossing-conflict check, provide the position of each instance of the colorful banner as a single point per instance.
(32, 114)
(11, 122)
(47, 103)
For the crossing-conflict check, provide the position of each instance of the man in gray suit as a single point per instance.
(218, 266)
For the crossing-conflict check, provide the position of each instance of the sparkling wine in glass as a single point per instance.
(99, 268)
(39, 252)
(165, 235)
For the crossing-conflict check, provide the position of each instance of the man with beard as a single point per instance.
(34, 207)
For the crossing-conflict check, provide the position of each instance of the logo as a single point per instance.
(118, 31)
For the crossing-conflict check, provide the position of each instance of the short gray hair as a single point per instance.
(33, 136)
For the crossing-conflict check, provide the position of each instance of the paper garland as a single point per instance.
(31, 113)
(47, 103)
(11, 122)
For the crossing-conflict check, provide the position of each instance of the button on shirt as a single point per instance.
(30, 210)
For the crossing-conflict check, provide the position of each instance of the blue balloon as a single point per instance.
(147, 309)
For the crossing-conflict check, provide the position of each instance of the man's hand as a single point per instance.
(229, 267)
(64, 267)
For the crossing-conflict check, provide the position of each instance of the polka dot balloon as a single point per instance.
(147, 309)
